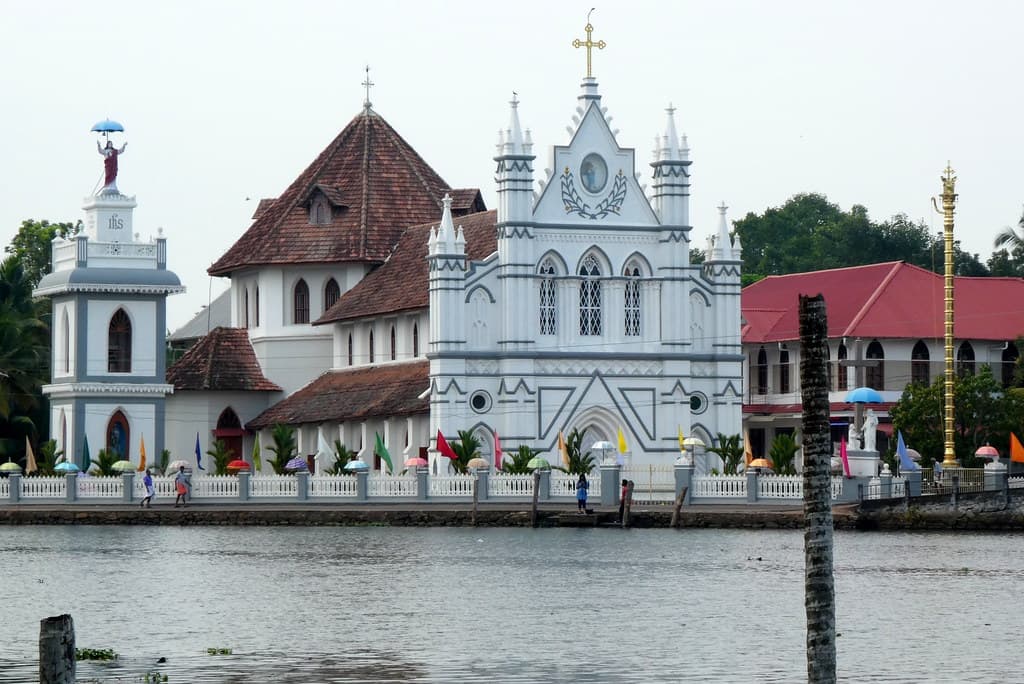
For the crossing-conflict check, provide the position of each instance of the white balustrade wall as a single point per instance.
(101, 487)
(719, 486)
(564, 484)
(452, 485)
(215, 486)
(41, 487)
(395, 486)
(162, 487)
(274, 486)
(5, 489)
(652, 482)
(332, 485)
(500, 484)
(780, 487)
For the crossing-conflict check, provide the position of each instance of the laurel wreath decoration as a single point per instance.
(611, 204)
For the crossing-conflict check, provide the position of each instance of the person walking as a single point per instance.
(147, 482)
(622, 498)
(581, 493)
(181, 485)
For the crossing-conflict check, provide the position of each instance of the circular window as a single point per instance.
(698, 403)
(593, 173)
(480, 401)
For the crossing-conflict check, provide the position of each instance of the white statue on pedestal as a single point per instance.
(870, 430)
(853, 437)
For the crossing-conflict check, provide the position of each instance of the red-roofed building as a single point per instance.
(897, 311)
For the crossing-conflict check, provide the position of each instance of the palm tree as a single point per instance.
(579, 463)
(24, 363)
(520, 457)
(783, 453)
(104, 462)
(342, 455)
(819, 587)
(730, 451)
(284, 447)
(48, 455)
(221, 456)
(1011, 237)
(466, 448)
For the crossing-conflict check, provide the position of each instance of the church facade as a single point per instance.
(372, 298)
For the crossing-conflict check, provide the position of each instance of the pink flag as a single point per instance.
(497, 451)
(843, 458)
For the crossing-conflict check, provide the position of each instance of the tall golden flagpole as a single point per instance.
(948, 208)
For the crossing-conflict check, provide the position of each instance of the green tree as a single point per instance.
(342, 455)
(579, 462)
(103, 464)
(284, 447)
(46, 460)
(165, 459)
(983, 413)
(1007, 262)
(32, 247)
(519, 458)
(221, 456)
(467, 447)
(783, 454)
(729, 449)
(24, 352)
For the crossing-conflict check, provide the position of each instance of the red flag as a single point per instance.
(444, 447)
(844, 458)
(497, 452)
(1016, 449)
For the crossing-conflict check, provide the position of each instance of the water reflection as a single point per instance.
(501, 605)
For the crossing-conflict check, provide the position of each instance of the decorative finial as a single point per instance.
(367, 83)
(671, 110)
(588, 43)
(722, 208)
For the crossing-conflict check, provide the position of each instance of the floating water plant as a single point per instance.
(95, 654)
(218, 651)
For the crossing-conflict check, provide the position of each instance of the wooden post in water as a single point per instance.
(536, 493)
(675, 511)
(629, 504)
(819, 584)
(57, 650)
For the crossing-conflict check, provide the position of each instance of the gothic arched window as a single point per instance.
(875, 375)
(65, 337)
(371, 346)
(118, 436)
(119, 343)
(548, 305)
(784, 371)
(762, 371)
(332, 293)
(965, 360)
(351, 360)
(394, 346)
(415, 339)
(920, 372)
(590, 296)
(245, 307)
(842, 378)
(256, 308)
(301, 302)
(632, 303)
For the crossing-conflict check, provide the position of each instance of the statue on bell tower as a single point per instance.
(110, 155)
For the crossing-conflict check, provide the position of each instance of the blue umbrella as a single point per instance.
(297, 463)
(357, 465)
(863, 395)
(108, 126)
(66, 467)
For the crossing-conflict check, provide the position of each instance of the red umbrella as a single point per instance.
(238, 464)
(987, 452)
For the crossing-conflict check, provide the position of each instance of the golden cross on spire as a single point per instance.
(588, 43)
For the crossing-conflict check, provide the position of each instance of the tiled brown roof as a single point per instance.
(466, 201)
(392, 389)
(263, 206)
(221, 360)
(401, 283)
(383, 187)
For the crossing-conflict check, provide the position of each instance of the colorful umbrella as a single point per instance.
(987, 451)
(863, 395)
(357, 464)
(10, 467)
(477, 463)
(297, 463)
(108, 126)
(173, 467)
(237, 464)
(416, 462)
(66, 467)
(762, 463)
(123, 466)
(538, 463)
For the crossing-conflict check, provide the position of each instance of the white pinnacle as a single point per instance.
(670, 149)
(514, 137)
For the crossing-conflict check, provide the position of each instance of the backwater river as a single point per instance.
(378, 604)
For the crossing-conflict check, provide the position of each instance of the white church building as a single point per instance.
(371, 297)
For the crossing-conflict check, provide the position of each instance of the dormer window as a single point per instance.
(320, 211)
(323, 203)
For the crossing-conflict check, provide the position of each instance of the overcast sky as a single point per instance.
(227, 102)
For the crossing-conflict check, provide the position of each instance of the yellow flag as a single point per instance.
(748, 455)
(623, 447)
(30, 458)
(1016, 449)
(562, 449)
(142, 454)
(682, 442)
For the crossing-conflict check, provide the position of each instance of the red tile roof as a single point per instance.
(401, 283)
(363, 393)
(892, 299)
(221, 360)
(379, 185)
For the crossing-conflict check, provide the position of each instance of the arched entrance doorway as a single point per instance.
(229, 430)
